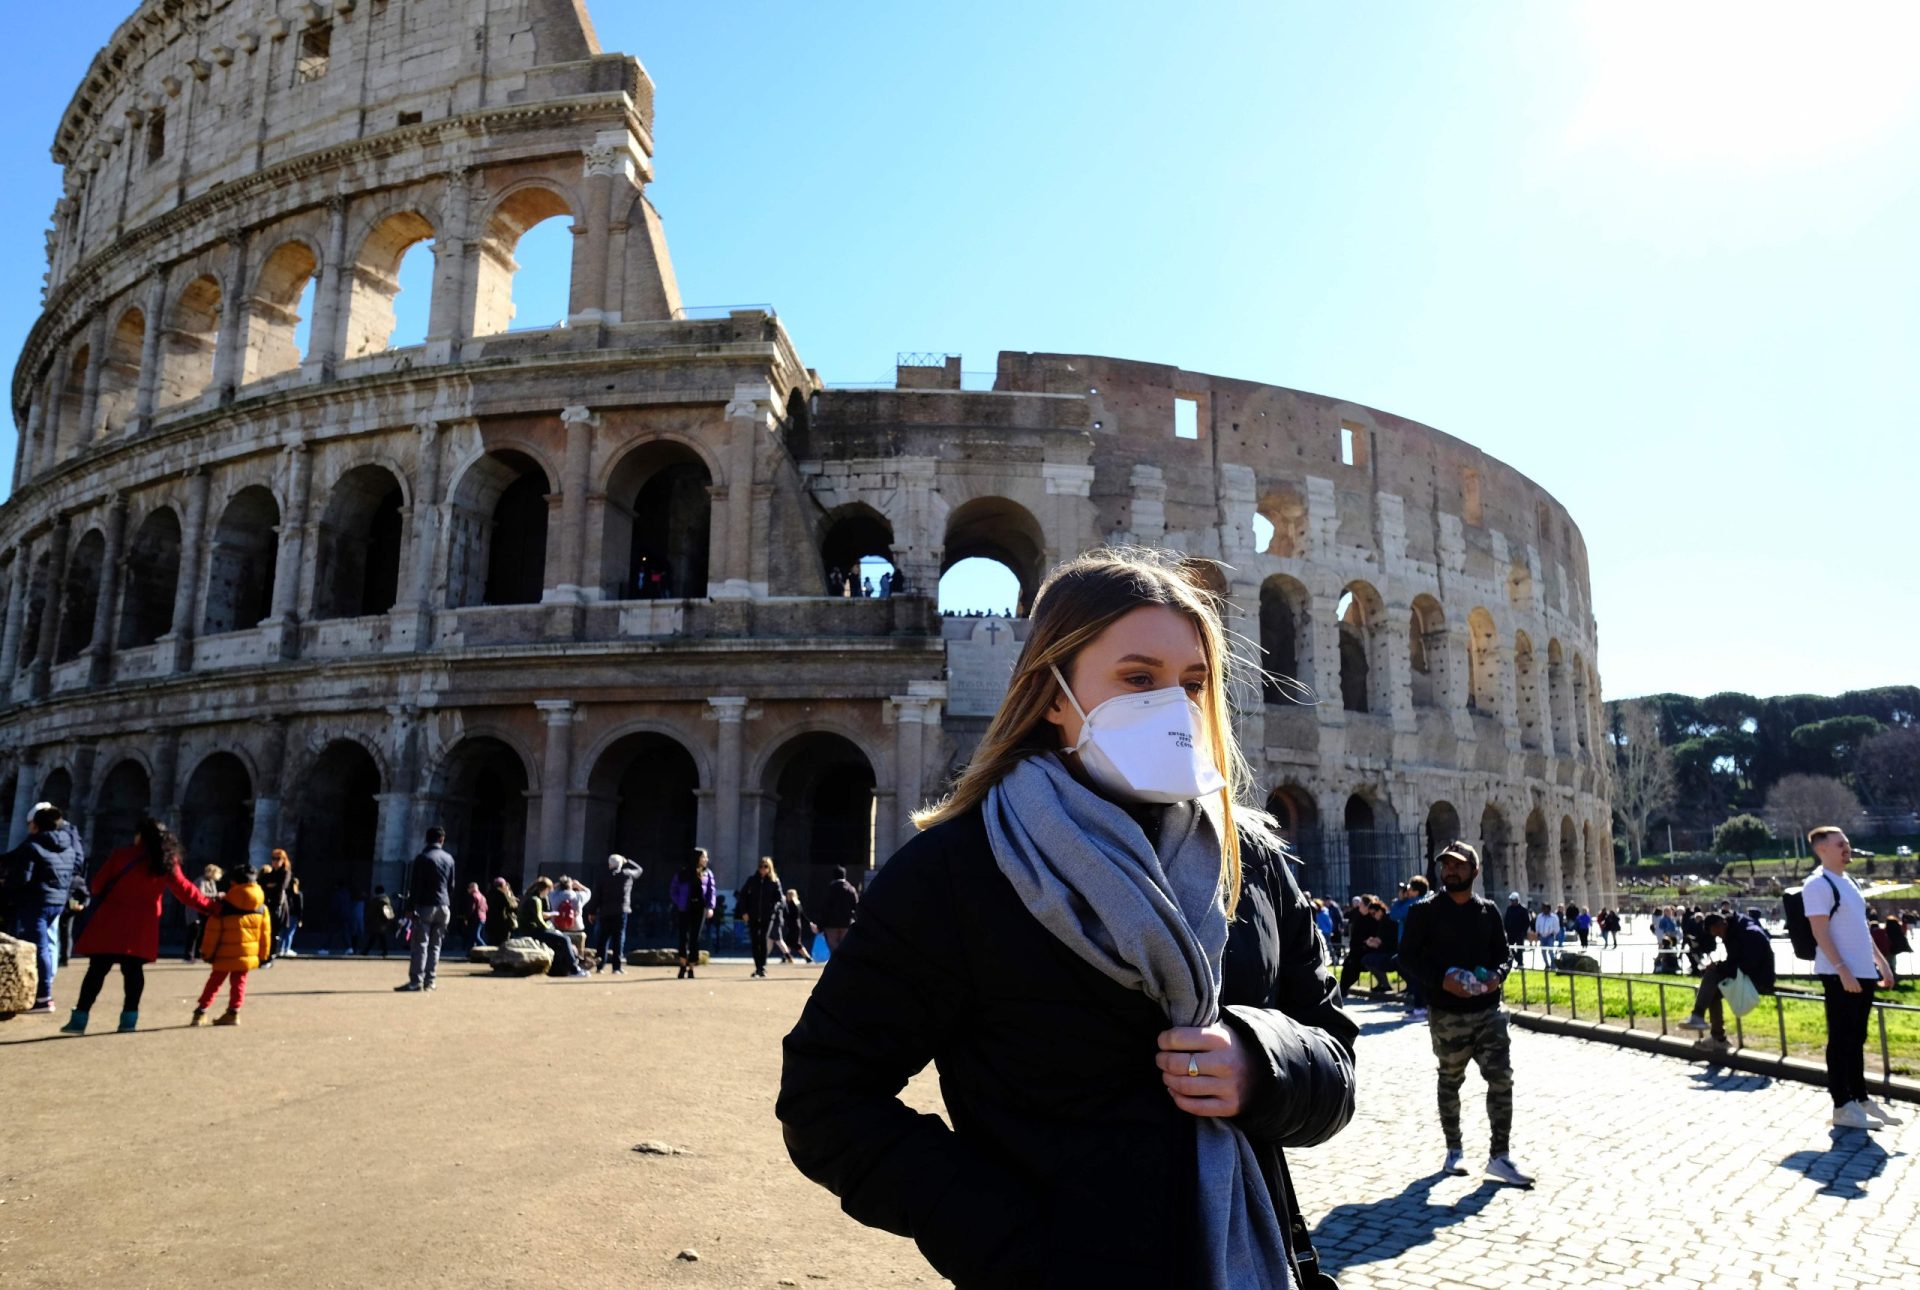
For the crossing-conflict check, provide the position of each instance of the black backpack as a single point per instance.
(1799, 930)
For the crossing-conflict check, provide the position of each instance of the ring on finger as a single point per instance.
(1193, 1065)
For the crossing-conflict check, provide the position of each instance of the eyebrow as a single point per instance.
(1155, 662)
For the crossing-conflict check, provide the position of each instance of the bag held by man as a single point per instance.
(1799, 930)
(1741, 994)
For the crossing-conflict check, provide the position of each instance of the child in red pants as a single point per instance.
(238, 939)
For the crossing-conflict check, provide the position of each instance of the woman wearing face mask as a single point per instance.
(1109, 963)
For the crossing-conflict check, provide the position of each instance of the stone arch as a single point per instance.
(120, 372)
(241, 565)
(151, 580)
(642, 801)
(1571, 881)
(518, 210)
(38, 586)
(1539, 854)
(333, 824)
(818, 789)
(57, 787)
(125, 798)
(497, 532)
(1442, 829)
(1376, 855)
(360, 541)
(216, 811)
(1001, 530)
(852, 533)
(1429, 652)
(70, 406)
(1582, 709)
(1362, 618)
(1286, 635)
(482, 785)
(1526, 691)
(1286, 511)
(1559, 699)
(1499, 863)
(658, 530)
(189, 342)
(1483, 663)
(84, 569)
(273, 310)
(1294, 810)
(1592, 888)
(376, 279)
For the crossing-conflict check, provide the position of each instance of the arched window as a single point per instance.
(82, 596)
(1443, 828)
(1000, 530)
(1571, 881)
(822, 788)
(126, 796)
(397, 255)
(1483, 664)
(70, 436)
(216, 814)
(1363, 674)
(1497, 860)
(279, 312)
(189, 343)
(659, 523)
(39, 583)
(120, 373)
(519, 232)
(1286, 636)
(856, 555)
(1559, 700)
(241, 565)
(333, 817)
(483, 806)
(1427, 652)
(1526, 687)
(1285, 514)
(1377, 857)
(498, 533)
(152, 578)
(1539, 852)
(358, 572)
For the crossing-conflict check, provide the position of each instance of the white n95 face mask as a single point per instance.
(1145, 747)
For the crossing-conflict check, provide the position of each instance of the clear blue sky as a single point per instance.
(1660, 257)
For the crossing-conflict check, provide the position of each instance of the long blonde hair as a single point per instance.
(1079, 600)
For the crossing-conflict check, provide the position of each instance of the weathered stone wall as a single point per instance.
(565, 589)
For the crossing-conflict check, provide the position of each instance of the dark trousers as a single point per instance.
(1373, 961)
(612, 932)
(1847, 1018)
(1712, 982)
(757, 929)
(133, 972)
(691, 924)
(564, 962)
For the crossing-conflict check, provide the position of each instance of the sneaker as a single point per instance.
(429, 986)
(1876, 1111)
(1851, 1116)
(42, 1006)
(227, 1018)
(408, 988)
(1503, 1168)
(1694, 1023)
(1456, 1164)
(579, 972)
(1716, 1043)
(199, 1017)
(1416, 1014)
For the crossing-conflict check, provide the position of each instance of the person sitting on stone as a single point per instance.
(531, 920)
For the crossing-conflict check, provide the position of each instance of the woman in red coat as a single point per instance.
(124, 925)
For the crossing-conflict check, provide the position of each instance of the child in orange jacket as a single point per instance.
(238, 938)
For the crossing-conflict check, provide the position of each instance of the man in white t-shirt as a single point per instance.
(1849, 966)
(1546, 926)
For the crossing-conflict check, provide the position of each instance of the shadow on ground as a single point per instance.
(1719, 1079)
(1844, 1168)
(1353, 1235)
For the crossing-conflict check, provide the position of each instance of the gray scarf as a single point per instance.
(1154, 922)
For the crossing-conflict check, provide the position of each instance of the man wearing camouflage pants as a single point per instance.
(1455, 949)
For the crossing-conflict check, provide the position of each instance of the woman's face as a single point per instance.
(1150, 648)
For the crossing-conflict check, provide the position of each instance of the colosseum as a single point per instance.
(567, 589)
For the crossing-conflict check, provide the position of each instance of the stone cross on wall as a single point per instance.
(979, 667)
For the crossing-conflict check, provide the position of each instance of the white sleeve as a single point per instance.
(1818, 898)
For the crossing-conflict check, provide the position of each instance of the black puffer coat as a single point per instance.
(1068, 1163)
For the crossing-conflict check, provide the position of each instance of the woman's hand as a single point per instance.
(1225, 1081)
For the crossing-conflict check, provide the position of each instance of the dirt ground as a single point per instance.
(480, 1135)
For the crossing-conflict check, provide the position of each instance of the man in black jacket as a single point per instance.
(1453, 938)
(430, 896)
(1749, 950)
(612, 902)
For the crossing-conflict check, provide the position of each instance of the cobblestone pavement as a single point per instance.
(1652, 1171)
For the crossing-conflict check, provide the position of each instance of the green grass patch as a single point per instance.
(1588, 997)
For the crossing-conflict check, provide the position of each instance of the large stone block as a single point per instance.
(523, 956)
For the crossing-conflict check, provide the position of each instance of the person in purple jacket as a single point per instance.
(693, 893)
